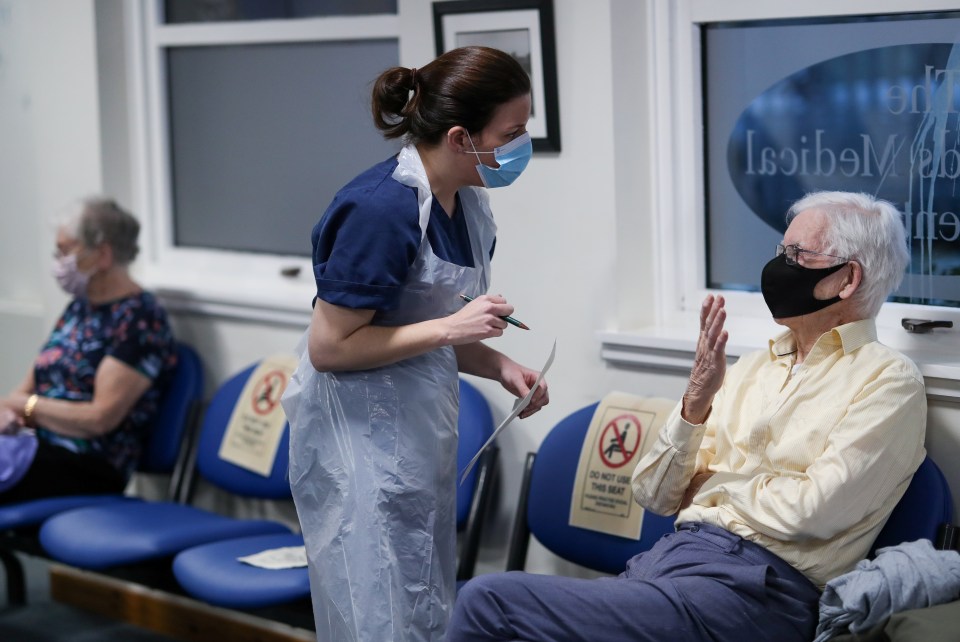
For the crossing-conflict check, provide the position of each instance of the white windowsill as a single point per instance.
(260, 298)
(671, 349)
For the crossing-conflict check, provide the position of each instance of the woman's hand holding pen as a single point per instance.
(480, 319)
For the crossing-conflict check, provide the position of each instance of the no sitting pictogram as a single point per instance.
(266, 394)
(620, 440)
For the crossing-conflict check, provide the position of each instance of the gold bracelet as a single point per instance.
(28, 409)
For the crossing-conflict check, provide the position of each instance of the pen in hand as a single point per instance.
(510, 320)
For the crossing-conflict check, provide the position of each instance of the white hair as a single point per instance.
(867, 230)
(97, 219)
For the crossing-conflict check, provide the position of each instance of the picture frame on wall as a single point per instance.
(522, 28)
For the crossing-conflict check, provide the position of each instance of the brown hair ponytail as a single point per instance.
(462, 87)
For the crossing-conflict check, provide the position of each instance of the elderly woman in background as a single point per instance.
(94, 389)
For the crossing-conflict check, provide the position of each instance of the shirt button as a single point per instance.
(694, 529)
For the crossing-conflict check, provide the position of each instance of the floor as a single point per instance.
(43, 620)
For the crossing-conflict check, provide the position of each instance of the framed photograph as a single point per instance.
(522, 28)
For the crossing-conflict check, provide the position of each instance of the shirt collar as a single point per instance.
(849, 337)
(854, 336)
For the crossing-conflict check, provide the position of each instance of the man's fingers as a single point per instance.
(716, 328)
(722, 341)
(705, 310)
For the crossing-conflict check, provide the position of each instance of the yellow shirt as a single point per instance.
(808, 465)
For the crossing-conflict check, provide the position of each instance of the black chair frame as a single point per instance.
(479, 508)
(520, 534)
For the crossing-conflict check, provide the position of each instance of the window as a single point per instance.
(250, 116)
(180, 11)
(262, 136)
(715, 66)
(864, 103)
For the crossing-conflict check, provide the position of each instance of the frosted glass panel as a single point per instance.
(262, 137)
(178, 11)
(863, 104)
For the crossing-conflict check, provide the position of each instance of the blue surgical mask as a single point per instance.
(512, 158)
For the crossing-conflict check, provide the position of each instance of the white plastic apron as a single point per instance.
(373, 457)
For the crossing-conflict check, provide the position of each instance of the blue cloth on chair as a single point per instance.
(909, 576)
(700, 583)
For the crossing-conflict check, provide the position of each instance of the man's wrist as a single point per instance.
(693, 411)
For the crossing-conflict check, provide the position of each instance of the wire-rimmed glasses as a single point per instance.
(794, 251)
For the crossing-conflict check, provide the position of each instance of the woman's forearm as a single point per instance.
(480, 360)
(343, 338)
(81, 419)
(373, 346)
(117, 388)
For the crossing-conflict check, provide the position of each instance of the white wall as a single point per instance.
(558, 237)
(49, 155)
(562, 226)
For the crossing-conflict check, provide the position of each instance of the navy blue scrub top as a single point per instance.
(369, 237)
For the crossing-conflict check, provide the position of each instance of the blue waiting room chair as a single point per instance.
(164, 453)
(547, 486)
(925, 509)
(211, 572)
(102, 537)
(544, 507)
(475, 427)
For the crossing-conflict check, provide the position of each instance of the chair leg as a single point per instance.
(948, 537)
(520, 536)
(16, 583)
(478, 511)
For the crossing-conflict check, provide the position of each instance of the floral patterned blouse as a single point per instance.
(134, 330)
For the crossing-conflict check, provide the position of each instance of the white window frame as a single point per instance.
(678, 225)
(237, 284)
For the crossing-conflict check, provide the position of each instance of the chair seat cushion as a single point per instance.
(211, 573)
(31, 513)
(102, 536)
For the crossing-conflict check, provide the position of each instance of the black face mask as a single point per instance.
(788, 289)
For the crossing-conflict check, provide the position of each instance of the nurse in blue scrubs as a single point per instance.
(373, 405)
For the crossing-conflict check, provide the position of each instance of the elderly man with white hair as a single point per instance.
(781, 470)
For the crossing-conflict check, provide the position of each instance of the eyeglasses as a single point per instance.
(72, 247)
(793, 252)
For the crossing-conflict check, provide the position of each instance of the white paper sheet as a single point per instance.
(278, 558)
(518, 407)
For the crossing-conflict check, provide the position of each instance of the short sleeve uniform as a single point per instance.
(369, 237)
(133, 330)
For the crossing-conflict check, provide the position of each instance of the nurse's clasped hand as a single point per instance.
(517, 380)
(480, 319)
